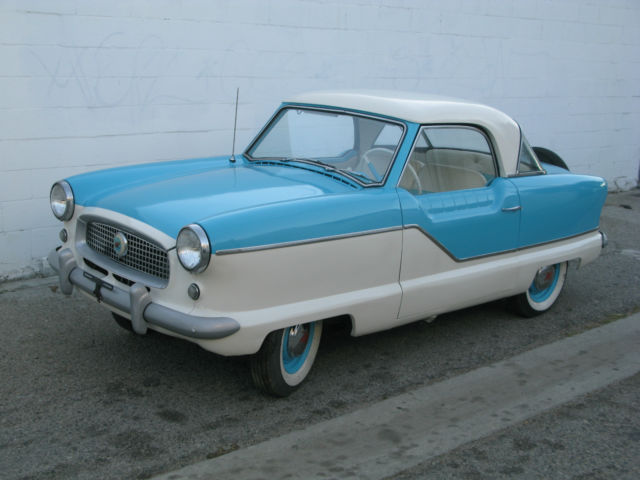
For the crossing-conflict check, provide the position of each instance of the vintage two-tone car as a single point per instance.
(382, 208)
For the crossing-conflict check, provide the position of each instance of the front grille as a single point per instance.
(141, 255)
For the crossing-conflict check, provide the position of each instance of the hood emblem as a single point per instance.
(120, 244)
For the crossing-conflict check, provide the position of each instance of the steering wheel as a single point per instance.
(375, 151)
(415, 177)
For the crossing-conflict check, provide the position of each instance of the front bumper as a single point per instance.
(137, 302)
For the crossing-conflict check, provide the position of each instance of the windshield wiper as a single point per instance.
(357, 177)
(308, 161)
(354, 173)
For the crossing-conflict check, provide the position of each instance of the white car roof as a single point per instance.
(428, 109)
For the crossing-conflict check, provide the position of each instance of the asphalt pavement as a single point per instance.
(402, 432)
(81, 398)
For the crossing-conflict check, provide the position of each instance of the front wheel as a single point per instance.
(285, 358)
(543, 291)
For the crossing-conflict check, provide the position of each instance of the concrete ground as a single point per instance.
(80, 398)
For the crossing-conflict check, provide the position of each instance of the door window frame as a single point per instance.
(476, 128)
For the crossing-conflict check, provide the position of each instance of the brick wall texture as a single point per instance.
(92, 84)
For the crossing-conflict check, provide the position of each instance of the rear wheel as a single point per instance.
(543, 291)
(285, 358)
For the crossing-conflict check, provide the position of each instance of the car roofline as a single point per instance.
(427, 109)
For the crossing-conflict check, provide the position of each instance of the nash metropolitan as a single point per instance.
(379, 207)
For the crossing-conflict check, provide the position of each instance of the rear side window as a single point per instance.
(468, 139)
(527, 160)
(447, 158)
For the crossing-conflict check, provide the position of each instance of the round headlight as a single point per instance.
(61, 198)
(193, 248)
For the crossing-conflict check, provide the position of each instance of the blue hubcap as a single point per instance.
(545, 283)
(296, 345)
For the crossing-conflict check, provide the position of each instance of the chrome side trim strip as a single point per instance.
(295, 243)
(467, 259)
(307, 242)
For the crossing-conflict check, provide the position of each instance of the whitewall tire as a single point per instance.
(543, 291)
(285, 358)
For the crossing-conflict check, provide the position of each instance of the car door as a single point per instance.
(457, 213)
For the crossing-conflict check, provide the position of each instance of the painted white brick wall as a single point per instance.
(93, 84)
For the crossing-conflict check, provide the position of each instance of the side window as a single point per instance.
(448, 158)
(527, 160)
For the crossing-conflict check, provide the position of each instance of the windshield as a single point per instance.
(359, 147)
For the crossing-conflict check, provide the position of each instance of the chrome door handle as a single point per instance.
(512, 209)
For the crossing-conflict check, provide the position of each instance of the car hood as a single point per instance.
(170, 195)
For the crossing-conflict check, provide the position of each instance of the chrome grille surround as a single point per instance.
(141, 255)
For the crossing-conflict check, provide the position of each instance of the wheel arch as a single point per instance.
(549, 156)
(343, 321)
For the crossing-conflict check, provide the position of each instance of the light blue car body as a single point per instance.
(246, 204)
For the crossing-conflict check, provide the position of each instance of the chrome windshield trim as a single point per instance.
(295, 243)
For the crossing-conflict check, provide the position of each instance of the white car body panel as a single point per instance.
(434, 283)
(376, 295)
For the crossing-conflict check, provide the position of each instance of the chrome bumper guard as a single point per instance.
(605, 239)
(137, 302)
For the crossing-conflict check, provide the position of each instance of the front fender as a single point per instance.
(304, 220)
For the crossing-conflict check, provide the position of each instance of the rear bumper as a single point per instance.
(136, 302)
(605, 239)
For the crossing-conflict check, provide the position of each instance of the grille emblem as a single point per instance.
(120, 244)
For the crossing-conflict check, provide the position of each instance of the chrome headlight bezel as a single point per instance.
(193, 248)
(61, 200)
